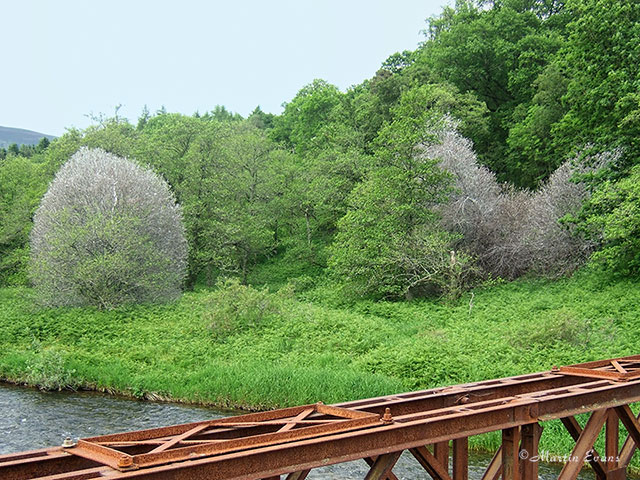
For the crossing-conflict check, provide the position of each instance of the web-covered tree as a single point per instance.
(108, 232)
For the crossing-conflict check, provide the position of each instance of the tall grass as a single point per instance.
(313, 348)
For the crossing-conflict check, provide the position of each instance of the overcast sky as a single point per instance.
(64, 60)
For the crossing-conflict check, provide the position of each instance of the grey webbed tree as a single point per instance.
(513, 232)
(108, 232)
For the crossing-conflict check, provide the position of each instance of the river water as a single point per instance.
(30, 419)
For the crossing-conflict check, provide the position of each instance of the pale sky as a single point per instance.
(63, 60)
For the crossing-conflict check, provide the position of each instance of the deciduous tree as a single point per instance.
(108, 232)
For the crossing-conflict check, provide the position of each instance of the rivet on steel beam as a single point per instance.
(462, 399)
(68, 443)
(555, 368)
(387, 418)
(125, 461)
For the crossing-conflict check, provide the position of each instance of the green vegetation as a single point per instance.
(524, 84)
(614, 212)
(282, 348)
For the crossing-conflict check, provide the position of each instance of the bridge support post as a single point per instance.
(611, 449)
(430, 463)
(441, 452)
(372, 461)
(617, 474)
(510, 451)
(461, 459)
(529, 460)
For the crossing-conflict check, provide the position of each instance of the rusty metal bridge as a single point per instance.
(430, 424)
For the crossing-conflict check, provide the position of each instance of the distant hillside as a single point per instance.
(20, 136)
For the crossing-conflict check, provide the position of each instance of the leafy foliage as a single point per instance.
(600, 59)
(107, 232)
(614, 211)
(388, 243)
(530, 84)
(48, 369)
(497, 53)
(21, 186)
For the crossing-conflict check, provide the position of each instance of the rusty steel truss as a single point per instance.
(430, 424)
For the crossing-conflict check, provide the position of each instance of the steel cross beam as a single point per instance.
(295, 440)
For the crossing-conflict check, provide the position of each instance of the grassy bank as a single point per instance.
(311, 347)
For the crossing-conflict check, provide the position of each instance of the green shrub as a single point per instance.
(48, 371)
(234, 307)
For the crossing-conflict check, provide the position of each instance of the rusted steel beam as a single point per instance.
(178, 438)
(430, 463)
(96, 449)
(39, 463)
(630, 422)
(617, 369)
(529, 461)
(494, 469)
(600, 394)
(584, 443)
(461, 459)
(298, 475)
(575, 430)
(441, 452)
(412, 402)
(296, 420)
(510, 450)
(382, 466)
(612, 440)
(88, 474)
(628, 449)
(617, 474)
(390, 475)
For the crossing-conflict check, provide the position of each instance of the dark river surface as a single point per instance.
(30, 419)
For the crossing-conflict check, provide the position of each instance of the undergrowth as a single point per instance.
(244, 347)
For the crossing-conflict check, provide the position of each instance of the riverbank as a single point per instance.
(308, 347)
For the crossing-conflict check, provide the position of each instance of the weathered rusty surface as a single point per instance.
(371, 462)
(494, 469)
(208, 438)
(430, 463)
(510, 450)
(39, 463)
(461, 459)
(583, 445)
(295, 440)
(382, 466)
(612, 439)
(530, 439)
(618, 369)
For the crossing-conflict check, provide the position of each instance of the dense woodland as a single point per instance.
(506, 144)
